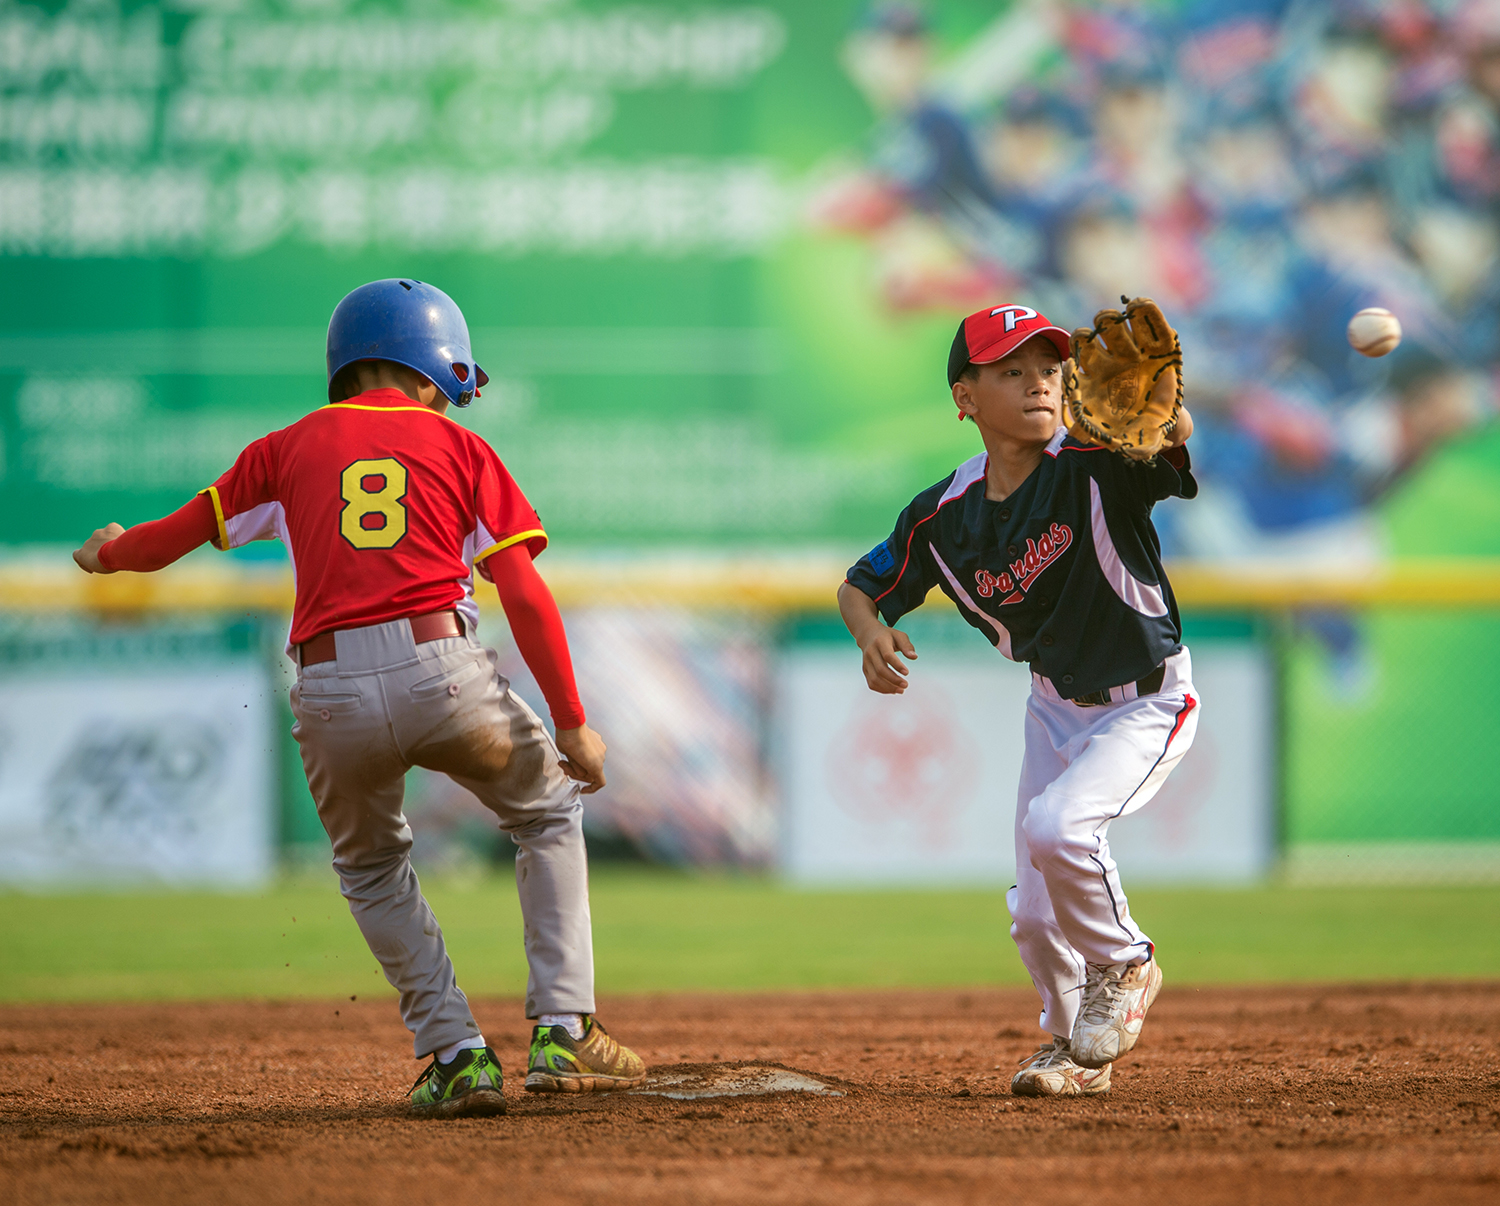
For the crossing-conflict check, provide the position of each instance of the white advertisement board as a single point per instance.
(921, 788)
(113, 780)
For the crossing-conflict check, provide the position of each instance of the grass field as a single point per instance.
(658, 931)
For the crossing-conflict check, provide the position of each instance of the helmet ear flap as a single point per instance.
(471, 381)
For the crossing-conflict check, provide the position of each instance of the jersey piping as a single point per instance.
(1059, 440)
(963, 477)
(388, 409)
(1135, 594)
(1002, 633)
(510, 540)
(213, 494)
(1188, 704)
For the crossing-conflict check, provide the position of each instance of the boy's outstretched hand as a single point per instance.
(88, 556)
(583, 756)
(882, 648)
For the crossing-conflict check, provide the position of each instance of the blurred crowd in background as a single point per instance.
(1264, 169)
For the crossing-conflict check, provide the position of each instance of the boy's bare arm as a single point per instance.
(880, 646)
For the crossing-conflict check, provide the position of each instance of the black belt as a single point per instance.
(1149, 685)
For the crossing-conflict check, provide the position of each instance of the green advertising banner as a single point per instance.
(611, 192)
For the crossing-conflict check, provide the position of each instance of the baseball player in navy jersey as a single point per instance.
(1044, 543)
(388, 509)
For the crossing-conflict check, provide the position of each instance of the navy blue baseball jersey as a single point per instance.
(1065, 574)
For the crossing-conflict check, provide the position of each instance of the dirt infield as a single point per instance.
(1305, 1095)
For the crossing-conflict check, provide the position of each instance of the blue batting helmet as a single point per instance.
(412, 324)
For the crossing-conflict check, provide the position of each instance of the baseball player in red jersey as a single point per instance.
(387, 508)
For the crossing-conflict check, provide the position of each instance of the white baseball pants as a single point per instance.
(1085, 766)
(386, 704)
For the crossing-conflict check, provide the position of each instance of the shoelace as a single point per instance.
(1099, 1004)
(427, 1074)
(430, 1072)
(1048, 1056)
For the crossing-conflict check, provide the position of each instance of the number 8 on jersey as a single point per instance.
(373, 491)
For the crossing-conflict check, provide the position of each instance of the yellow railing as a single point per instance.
(206, 583)
(1463, 583)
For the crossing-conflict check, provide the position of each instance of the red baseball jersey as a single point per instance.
(385, 507)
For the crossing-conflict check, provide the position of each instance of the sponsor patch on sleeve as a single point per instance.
(881, 559)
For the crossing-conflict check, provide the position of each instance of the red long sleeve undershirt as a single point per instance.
(154, 545)
(538, 629)
(529, 605)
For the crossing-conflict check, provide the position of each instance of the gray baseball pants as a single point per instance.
(386, 704)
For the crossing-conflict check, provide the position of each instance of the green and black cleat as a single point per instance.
(469, 1087)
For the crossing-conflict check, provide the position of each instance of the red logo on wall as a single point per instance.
(906, 760)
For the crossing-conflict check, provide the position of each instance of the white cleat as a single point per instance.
(1115, 999)
(1051, 1072)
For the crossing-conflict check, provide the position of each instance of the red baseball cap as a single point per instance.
(992, 333)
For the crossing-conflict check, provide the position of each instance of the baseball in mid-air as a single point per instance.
(1374, 332)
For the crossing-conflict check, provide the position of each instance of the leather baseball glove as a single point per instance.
(1122, 387)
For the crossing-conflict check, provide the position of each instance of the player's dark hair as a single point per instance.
(345, 382)
(343, 385)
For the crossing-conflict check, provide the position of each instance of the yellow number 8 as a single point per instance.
(373, 517)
